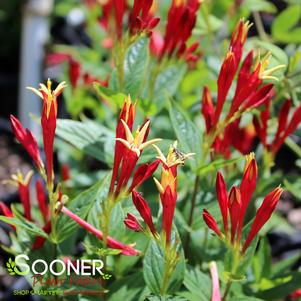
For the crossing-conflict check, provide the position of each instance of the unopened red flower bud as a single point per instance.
(132, 223)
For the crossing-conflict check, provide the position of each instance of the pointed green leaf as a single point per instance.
(154, 269)
(135, 64)
(186, 132)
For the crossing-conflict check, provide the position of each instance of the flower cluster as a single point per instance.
(77, 76)
(233, 207)
(141, 19)
(250, 92)
(284, 129)
(23, 185)
(181, 20)
(128, 149)
(167, 187)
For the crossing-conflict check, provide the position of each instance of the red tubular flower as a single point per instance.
(74, 72)
(142, 173)
(260, 97)
(41, 197)
(237, 203)
(296, 294)
(131, 147)
(48, 121)
(238, 39)
(141, 19)
(235, 209)
(284, 129)
(127, 114)
(28, 141)
(156, 43)
(65, 172)
(263, 214)
(247, 187)
(24, 191)
(211, 222)
(180, 23)
(132, 223)
(6, 212)
(207, 109)
(216, 295)
(144, 210)
(168, 185)
(249, 93)
(243, 139)
(261, 124)
(224, 82)
(282, 119)
(40, 240)
(222, 197)
(120, 6)
(111, 242)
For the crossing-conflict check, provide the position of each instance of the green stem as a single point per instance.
(235, 265)
(170, 263)
(152, 81)
(54, 257)
(106, 216)
(53, 218)
(165, 278)
(227, 290)
(119, 61)
(190, 219)
(293, 146)
(206, 15)
(259, 27)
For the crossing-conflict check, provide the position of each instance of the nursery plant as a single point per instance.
(161, 181)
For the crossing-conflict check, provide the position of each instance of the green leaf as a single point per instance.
(202, 24)
(90, 137)
(198, 283)
(154, 269)
(186, 132)
(247, 258)
(129, 288)
(262, 261)
(279, 56)
(164, 298)
(282, 286)
(218, 164)
(283, 27)
(20, 221)
(167, 84)
(135, 65)
(81, 205)
(114, 98)
(284, 265)
(259, 6)
(245, 298)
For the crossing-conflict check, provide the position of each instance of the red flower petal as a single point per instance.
(221, 191)
(263, 214)
(112, 243)
(144, 210)
(211, 222)
(142, 173)
(28, 141)
(41, 197)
